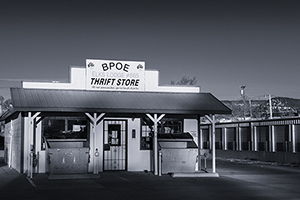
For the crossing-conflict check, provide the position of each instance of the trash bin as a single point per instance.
(68, 156)
(179, 153)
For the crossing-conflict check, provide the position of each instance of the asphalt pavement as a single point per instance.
(237, 180)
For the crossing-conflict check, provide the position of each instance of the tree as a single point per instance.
(6, 105)
(2, 122)
(185, 81)
(1, 105)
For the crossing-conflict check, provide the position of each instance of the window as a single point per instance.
(114, 134)
(166, 126)
(64, 128)
(170, 126)
(146, 134)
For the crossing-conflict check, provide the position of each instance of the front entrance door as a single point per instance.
(115, 145)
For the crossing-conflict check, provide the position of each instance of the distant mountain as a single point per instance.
(260, 109)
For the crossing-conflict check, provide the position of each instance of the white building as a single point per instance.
(110, 116)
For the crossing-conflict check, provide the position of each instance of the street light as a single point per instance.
(243, 90)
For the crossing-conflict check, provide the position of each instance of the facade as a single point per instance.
(110, 116)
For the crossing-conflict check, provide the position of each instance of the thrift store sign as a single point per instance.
(114, 75)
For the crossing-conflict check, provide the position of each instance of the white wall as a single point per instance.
(78, 81)
(138, 160)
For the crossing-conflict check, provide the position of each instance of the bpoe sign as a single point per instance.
(115, 75)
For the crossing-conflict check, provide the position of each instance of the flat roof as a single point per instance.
(54, 100)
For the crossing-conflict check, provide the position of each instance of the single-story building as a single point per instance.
(110, 116)
(271, 140)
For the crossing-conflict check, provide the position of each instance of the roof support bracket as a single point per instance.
(95, 119)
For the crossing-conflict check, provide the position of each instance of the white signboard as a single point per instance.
(115, 75)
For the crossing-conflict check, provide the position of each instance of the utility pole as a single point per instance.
(270, 103)
(243, 96)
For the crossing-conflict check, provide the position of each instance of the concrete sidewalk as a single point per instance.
(236, 181)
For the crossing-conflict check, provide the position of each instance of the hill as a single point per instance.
(260, 109)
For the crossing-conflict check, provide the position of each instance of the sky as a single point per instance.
(223, 44)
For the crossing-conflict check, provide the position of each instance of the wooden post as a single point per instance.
(199, 142)
(239, 138)
(272, 145)
(30, 147)
(255, 142)
(251, 148)
(155, 120)
(10, 146)
(95, 151)
(31, 133)
(213, 149)
(293, 138)
(213, 144)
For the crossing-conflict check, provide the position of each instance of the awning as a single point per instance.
(54, 100)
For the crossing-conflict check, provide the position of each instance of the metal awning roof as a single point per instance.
(55, 100)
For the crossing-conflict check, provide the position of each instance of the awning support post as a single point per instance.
(10, 145)
(95, 119)
(212, 119)
(199, 145)
(31, 133)
(155, 120)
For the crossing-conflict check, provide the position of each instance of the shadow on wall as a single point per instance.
(2, 163)
(1, 143)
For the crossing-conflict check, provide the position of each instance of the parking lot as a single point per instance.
(237, 180)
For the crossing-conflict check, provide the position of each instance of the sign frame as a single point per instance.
(115, 75)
